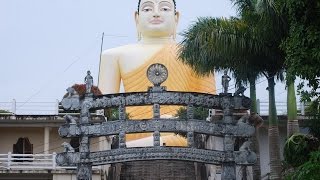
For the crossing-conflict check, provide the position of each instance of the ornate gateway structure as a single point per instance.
(229, 128)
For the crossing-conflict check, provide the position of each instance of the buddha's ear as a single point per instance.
(177, 16)
(136, 18)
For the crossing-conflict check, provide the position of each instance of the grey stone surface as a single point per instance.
(229, 128)
(154, 153)
(163, 125)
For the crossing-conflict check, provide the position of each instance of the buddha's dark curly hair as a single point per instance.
(174, 2)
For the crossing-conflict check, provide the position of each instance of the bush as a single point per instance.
(298, 147)
(309, 170)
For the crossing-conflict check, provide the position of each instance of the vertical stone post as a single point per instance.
(156, 138)
(156, 134)
(122, 139)
(190, 136)
(228, 169)
(122, 117)
(84, 169)
(190, 112)
(156, 111)
(122, 112)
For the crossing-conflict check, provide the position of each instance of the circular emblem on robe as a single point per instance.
(157, 74)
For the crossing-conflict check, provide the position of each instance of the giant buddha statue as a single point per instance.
(156, 23)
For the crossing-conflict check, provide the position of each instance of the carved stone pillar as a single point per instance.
(84, 170)
(190, 137)
(156, 138)
(122, 139)
(228, 168)
(122, 112)
(156, 111)
(190, 112)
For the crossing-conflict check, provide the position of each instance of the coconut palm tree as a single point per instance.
(243, 67)
(251, 41)
(293, 125)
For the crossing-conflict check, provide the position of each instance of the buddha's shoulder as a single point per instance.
(120, 50)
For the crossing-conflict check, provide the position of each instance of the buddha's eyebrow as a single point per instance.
(165, 2)
(147, 2)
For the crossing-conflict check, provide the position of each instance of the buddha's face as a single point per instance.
(156, 18)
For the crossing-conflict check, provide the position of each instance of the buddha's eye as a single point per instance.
(165, 8)
(147, 9)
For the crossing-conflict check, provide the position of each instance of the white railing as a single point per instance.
(30, 108)
(263, 108)
(29, 162)
(52, 108)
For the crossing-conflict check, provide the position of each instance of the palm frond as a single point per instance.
(218, 43)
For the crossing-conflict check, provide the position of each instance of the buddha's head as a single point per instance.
(156, 18)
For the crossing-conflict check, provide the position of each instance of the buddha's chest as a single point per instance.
(136, 58)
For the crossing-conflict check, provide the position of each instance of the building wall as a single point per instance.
(55, 141)
(10, 136)
(73, 177)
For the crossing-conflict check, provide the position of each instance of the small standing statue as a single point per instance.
(225, 82)
(240, 91)
(89, 82)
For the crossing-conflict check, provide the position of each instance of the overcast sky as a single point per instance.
(48, 45)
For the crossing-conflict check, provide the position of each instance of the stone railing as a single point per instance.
(229, 128)
(54, 108)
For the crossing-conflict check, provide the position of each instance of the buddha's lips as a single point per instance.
(156, 21)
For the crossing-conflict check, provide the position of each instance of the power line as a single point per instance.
(55, 77)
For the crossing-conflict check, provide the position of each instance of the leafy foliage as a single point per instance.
(199, 113)
(308, 170)
(112, 114)
(302, 47)
(313, 112)
(248, 46)
(4, 111)
(298, 147)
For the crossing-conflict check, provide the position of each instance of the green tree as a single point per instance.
(251, 43)
(4, 111)
(302, 46)
(219, 40)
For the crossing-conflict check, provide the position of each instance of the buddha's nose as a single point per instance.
(156, 14)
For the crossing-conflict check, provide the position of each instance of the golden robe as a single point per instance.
(180, 78)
